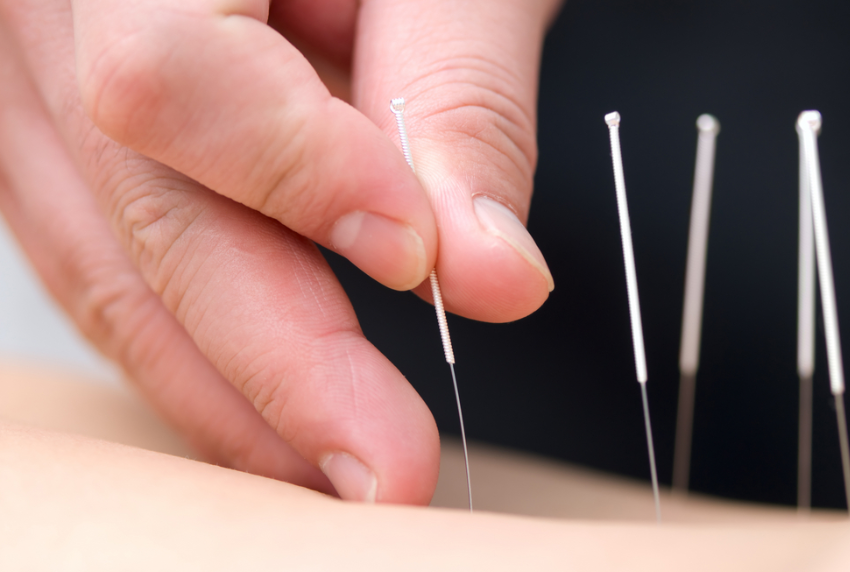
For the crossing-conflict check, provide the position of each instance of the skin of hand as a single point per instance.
(166, 165)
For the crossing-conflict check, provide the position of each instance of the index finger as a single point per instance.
(210, 90)
(258, 301)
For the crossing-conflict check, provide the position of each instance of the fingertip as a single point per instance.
(358, 420)
(382, 218)
(391, 252)
(352, 479)
(489, 266)
(505, 290)
(403, 452)
(405, 478)
(500, 221)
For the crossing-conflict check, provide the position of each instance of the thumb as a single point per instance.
(468, 72)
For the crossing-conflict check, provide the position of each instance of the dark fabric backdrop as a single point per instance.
(562, 382)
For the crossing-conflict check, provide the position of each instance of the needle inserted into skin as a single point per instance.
(805, 334)
(694, 289)
(613, 121)
(809, 124)
(397, 107)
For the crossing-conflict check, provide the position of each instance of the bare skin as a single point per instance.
(72, 501)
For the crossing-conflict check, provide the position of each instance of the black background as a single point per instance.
(562, 382)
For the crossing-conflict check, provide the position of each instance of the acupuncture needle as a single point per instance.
(805, 333)
(397, 107)
(708, 128)
(809, 124)
(613, 121)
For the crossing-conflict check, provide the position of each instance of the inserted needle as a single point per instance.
(613, 121)
(397, 107)
(694, 289)
(809, 124)
(805, 334)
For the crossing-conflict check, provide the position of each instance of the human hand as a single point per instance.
(202, 97)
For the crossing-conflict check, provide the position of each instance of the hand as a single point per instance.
(163, 162)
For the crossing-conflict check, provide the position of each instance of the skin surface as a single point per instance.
(166, 165)
(78, 502)
(73, 502)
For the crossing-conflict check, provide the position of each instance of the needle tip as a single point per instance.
(708, 124)
(613, 119)
(397, 105)
(811, 119)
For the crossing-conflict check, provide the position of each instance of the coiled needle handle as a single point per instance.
(397, 107)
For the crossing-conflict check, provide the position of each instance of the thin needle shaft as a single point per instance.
(613, 121)
(397, 107)
(809, 123)
(463, 438)
(655, 494)
(804, 447)
(693, 304)
(805, 334)
(684, 432)
(842, 442)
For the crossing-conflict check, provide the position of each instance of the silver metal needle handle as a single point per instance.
(694, 288)
(613, 122)
(809, 124)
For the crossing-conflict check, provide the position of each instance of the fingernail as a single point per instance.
(389, 251)
(351, 478)
(500, 221)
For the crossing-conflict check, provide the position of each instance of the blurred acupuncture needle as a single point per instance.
(694, 289)
(397, 107)
(809, 124)
(613, 121)
(805, 334)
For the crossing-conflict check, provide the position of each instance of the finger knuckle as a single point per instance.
(283, 386)
(103, 305)
(281, 182)
(122, 88)
(265, 383)
(476, 103)
(155, 213)
(105, 297)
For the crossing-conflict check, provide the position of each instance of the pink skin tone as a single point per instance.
(166, 166)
